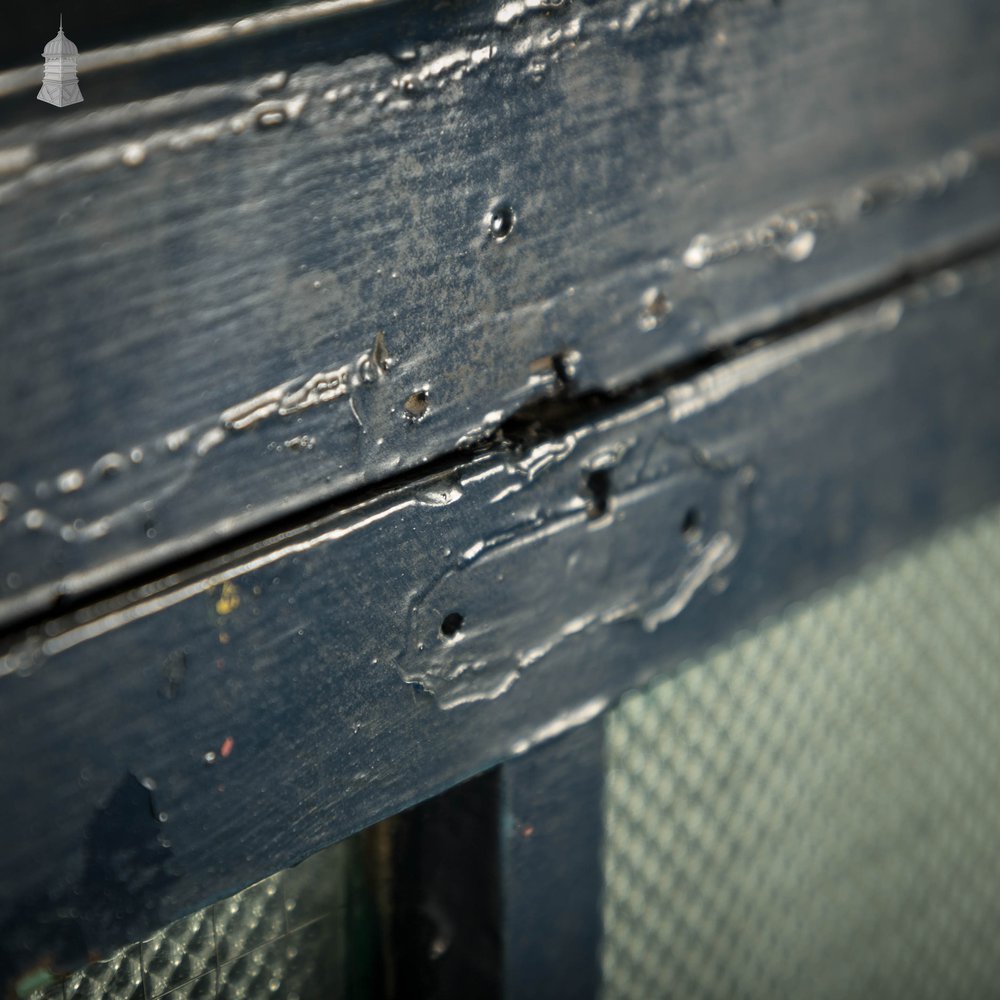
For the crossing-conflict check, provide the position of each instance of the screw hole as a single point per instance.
(409, 85)
(452, 625)
(560, 368)
(502, 223)
(691, 525)
(416, 405)
(656, 303)
(564, 369)
(597, 485)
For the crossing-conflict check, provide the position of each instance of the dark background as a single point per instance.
(94, 23)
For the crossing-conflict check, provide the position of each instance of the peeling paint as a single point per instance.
(30, 173)
(562, 723)
(171, 461)
(513, 617)
(792, 233)
(536, 45)
(194, 39)
(651, 488)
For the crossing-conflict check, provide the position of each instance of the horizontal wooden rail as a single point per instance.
(357, 664)
(241, 285)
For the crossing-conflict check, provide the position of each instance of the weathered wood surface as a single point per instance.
(286, 695)
(197, 262)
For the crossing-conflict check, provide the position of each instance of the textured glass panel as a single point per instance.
(281, 938)
(814, 811)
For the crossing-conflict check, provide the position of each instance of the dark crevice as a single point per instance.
(547, 418)
(597, 492)
(452, 625)
(560, 412)
(691, 525)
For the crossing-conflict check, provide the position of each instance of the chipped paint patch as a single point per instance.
(562, 723)
(179, 451)
(792, 234)
(28, 173)
(513, 616)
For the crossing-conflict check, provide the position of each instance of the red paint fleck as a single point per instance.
(220, 663)
(528, 831)
(227, 746)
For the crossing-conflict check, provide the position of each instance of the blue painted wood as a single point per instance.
(597, 545)
(199, 260)
(371, 412)
(552, 868)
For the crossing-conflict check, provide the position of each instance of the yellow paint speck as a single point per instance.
(229, 599)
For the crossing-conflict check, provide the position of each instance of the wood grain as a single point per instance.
(291, 693)
(197, 264)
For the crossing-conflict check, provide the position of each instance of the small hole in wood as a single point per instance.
(452, 625)
(691, 525)
(416, 405)
(502, 223)
(597, 487)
